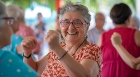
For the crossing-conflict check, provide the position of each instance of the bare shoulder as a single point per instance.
(137, 38)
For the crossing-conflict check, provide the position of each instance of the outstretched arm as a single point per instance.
(125, 55)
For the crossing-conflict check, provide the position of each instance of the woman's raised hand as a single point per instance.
(28, 44)
(52, 38)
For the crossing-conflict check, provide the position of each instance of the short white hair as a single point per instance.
(2, 12)
(13, 11)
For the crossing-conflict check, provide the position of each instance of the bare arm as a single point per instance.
(38, 66)
(28, 44)
(88, 68)
(125, 55)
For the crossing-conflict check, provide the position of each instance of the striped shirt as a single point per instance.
(93, 35)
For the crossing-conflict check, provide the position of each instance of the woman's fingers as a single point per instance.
(29, 42)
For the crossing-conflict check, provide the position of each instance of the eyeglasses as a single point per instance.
(75, 23)
(10, 20)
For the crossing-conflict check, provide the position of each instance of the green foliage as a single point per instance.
(26, 3)
(93, 5)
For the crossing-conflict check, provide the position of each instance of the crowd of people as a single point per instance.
(80, 52)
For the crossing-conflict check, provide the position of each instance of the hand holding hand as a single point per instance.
(28, 44)
(116, 39)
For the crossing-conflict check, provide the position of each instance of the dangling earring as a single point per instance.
(62, 37)
(86, 36)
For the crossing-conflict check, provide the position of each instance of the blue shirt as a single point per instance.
(13, 66)
(15, 41)
(93, 35)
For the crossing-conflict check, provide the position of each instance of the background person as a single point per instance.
(94, 33)
(134, 23)
(25, 31)
(130, 60)
(113, 64)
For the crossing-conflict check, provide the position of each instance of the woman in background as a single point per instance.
(113, 64)
(133, 62)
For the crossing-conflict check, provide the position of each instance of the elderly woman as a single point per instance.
(75, 57)
(15, 13)
(134, 23)
(10, 65)
(113, 64)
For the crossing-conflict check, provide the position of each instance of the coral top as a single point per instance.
(113, 65)
(55, 69)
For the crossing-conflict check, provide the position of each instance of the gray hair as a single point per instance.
(83, 10)
(13, 11)
(137, 21)
(2, 12)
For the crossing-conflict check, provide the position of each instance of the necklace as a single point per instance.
(79, 47)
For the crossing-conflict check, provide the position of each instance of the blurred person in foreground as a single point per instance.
(134, 23)
(75, 57)
(94, 33)
(10, 65)
(25, 31)
(14, 12)
(130, 60)
(113, 64)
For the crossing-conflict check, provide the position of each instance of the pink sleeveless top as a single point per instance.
(113, 65)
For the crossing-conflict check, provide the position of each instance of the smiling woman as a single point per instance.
(75, 57)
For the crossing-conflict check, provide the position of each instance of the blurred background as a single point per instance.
(49, 9)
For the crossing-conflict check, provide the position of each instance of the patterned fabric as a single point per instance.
(113, 65)
(55, 69)
(12, 66)
(25, 31)
(93, 35)
(15, 41)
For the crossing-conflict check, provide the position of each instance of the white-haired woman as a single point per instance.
(10, 65)
(75, 57)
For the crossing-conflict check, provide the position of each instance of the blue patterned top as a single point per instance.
(15, 41)
(12, 66)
